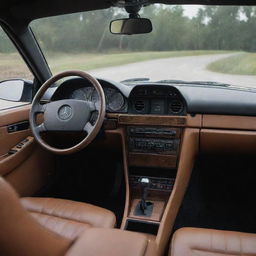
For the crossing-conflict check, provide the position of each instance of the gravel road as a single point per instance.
(192, 68)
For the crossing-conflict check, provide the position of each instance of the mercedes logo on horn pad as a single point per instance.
(65, 112)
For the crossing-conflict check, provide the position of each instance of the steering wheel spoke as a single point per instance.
(88, 128)
(40, 128)
(92, 106)
(39, 108)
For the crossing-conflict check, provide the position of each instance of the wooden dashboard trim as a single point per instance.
(173, 121)
(152, 120)
(152, 160)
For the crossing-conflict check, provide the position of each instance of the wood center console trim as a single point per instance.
(152, 160)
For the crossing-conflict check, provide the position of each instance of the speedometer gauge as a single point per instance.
(82, 94)
(78, 94)
(116, 101)
(95, 96)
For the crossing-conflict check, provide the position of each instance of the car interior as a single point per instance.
(91, 166)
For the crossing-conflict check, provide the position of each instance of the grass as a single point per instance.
(12, 66)
(241, 64)
(85, 61)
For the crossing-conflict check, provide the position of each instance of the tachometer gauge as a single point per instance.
(116, 101)
(108, 92)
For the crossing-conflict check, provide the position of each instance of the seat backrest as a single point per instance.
(210, 242)
(20, 234)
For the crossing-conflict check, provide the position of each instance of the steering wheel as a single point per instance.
(67, 115)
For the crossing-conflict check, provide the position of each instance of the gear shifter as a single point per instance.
(144, 182)
(143, 207)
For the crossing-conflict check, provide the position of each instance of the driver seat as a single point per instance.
(64, 217)
(68, 218)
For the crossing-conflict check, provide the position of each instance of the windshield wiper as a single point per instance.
(207, 83)
(140, 79)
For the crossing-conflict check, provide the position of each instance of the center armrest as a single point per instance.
(114, 242)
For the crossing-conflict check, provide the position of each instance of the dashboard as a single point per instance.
(144, 98)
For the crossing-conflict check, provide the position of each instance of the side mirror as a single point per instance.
(131, 26)
(16, 90)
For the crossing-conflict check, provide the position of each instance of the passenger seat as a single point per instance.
(210, 242)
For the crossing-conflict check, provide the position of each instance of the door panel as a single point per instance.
(9, 140)
(22, 161)
(14, 115)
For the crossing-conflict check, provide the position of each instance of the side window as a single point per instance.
(15, 76)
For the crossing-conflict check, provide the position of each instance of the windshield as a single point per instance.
(190, 43)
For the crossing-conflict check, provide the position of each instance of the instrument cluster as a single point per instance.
(115, 101)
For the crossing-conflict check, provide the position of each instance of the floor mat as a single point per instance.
(221, 194)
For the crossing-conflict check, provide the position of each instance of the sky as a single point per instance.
(191, 10)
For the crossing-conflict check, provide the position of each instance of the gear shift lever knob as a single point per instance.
(144, 184)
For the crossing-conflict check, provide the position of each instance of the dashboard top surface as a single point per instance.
(158, 97)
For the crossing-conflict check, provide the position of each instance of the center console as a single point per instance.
(152, 164)
(153, 146)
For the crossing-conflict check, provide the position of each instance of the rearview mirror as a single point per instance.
(130, 26)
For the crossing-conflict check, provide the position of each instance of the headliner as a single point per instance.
(33, 9)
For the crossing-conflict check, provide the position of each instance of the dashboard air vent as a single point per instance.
(139, 105)
(176, 106)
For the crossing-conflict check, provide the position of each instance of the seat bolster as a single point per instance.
(70, 210)
(197, 241)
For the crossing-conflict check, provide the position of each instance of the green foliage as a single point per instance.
(213, 28)
(242, 64)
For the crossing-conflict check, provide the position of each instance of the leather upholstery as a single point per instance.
(68, 218)
(208, 242)
(114, 242)
(20, 234)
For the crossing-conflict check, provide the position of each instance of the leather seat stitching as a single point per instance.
(56, 216)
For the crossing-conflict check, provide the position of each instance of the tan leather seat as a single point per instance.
(22, 235)
(68, 218)
(209, 242)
